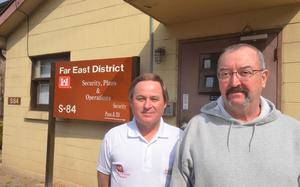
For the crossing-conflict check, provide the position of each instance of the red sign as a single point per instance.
(94, 90)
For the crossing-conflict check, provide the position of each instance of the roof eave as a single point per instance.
(13, 15)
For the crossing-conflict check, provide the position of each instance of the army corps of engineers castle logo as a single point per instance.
(64, 82)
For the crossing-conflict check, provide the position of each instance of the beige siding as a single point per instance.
(291, 68)
(292, 109)
(291, 72)
(290, 52)
(270, 18)
(76, 150)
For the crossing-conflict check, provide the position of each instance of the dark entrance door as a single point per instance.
(196, 79)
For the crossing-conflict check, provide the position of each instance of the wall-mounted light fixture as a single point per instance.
(159, 53)
(249, 35)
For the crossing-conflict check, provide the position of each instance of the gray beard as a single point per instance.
(245, 104)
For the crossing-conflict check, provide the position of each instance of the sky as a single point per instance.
(1, 1)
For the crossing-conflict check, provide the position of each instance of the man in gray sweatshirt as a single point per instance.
(240, 140)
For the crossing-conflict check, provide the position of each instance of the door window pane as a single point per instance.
(209, 82)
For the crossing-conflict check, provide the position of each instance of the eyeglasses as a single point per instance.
(243, 74)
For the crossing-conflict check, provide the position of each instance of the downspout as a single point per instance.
(2, 82)
(151, 44)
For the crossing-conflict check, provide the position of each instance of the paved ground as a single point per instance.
(8, 178)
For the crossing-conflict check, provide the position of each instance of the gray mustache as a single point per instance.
(237, 90)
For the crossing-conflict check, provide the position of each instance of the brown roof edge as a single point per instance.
(4, 5)
(14, 13)
(14, 5)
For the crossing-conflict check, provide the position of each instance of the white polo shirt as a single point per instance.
(131, 161)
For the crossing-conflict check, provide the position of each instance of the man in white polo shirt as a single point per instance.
(140, 153)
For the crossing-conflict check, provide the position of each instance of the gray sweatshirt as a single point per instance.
(219, 151)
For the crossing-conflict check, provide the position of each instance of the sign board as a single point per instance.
(95, 90)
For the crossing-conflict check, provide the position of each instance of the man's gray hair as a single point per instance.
(235, 47)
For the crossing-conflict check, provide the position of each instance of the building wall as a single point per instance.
(291, 68)
(107, 29)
